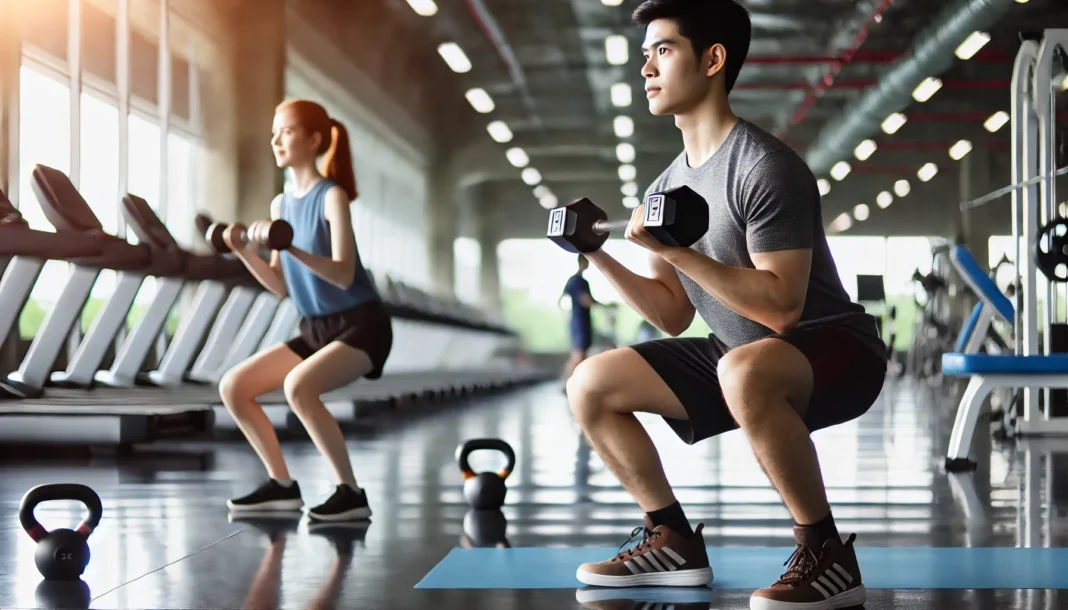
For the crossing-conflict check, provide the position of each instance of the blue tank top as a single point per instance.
(312, 295)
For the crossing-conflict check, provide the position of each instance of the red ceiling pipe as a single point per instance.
(864, 84)
(829, 77)
(956, 117)
(986, 55)
(869, 57)
(853, 84)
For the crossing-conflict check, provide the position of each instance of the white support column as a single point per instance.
(122, 82)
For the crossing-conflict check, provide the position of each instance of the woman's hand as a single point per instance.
(232, 237)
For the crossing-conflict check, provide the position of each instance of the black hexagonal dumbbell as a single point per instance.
(676, 217)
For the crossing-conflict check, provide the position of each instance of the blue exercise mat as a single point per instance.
(756, 567)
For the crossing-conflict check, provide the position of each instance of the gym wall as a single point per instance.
(390, 149)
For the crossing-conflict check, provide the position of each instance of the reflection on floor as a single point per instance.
(166, 540)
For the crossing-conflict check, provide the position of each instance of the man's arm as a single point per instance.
(778, 203)
(660, 300)
(772, 294)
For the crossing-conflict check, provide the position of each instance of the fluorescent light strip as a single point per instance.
(455, 57)
(480, 100)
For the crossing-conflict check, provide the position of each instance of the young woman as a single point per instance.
(345, 332)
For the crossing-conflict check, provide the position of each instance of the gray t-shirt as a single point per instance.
(762, 197)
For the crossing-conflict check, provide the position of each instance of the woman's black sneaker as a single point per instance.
(272, 496)
(346, 504)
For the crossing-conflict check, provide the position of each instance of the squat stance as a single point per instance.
(789, 353)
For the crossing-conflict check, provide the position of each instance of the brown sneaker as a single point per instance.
(823, 580)
(663, 558)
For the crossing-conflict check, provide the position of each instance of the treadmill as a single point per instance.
(83, 369)
(67, 418)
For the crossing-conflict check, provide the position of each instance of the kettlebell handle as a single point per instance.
(465, 450)
(59, 491)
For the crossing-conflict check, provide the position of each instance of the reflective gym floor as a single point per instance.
(166, 541)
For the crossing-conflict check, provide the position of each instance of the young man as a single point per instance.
(789, 353)
(578, 289)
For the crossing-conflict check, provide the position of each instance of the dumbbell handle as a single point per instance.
(608, 226)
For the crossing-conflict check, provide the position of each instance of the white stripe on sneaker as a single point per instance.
(643, 564)
(817, 586)
(672, 554)
(838, 581)
(632, 567)
(664, 560)
(826, 582)
(841, 572)
(651, 558)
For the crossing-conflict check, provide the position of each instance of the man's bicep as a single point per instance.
(792, 269)
(779, 205)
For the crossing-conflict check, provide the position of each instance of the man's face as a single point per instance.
(674, 81)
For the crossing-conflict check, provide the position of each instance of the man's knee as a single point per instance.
(591, 389)
(763, 374)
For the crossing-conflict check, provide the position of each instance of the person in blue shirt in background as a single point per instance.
(581, 323)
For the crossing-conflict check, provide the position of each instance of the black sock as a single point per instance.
(825, 529)
(673, 517)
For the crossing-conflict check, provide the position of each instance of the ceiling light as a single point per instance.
(623, 126)
(455, 57)
(861, 212)
(611, 2)
(865, 149)
(927, 172)
(925, 90)
(517, 157)
(884, 199)
(499, 131)
(841, 223)
(541, 190)
(902, 188)
(615, 47)
(972, 44)
(996, 121)
(825, 186)
(1064, 85)
(840, 170)
(531, 176)
(630, 189)
(425, 8)
(631, 202)
(627, 173)
(480, 100)
(894, 122)
(958, 150)
(621, 95)
(625, 152)
(548, 201)
(1021, 1)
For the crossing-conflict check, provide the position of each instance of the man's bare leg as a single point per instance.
(604, 401)
(767, 385)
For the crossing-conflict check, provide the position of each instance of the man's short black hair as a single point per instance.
(705, 23)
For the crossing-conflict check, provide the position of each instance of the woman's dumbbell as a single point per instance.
(276, 235)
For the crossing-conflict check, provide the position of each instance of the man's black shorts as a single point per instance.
(366, 327)
(847, 378)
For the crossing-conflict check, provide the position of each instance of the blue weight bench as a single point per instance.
(989, 372)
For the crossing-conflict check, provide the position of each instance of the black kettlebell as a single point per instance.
(485, 529)
(61, 554)
(485, 490)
